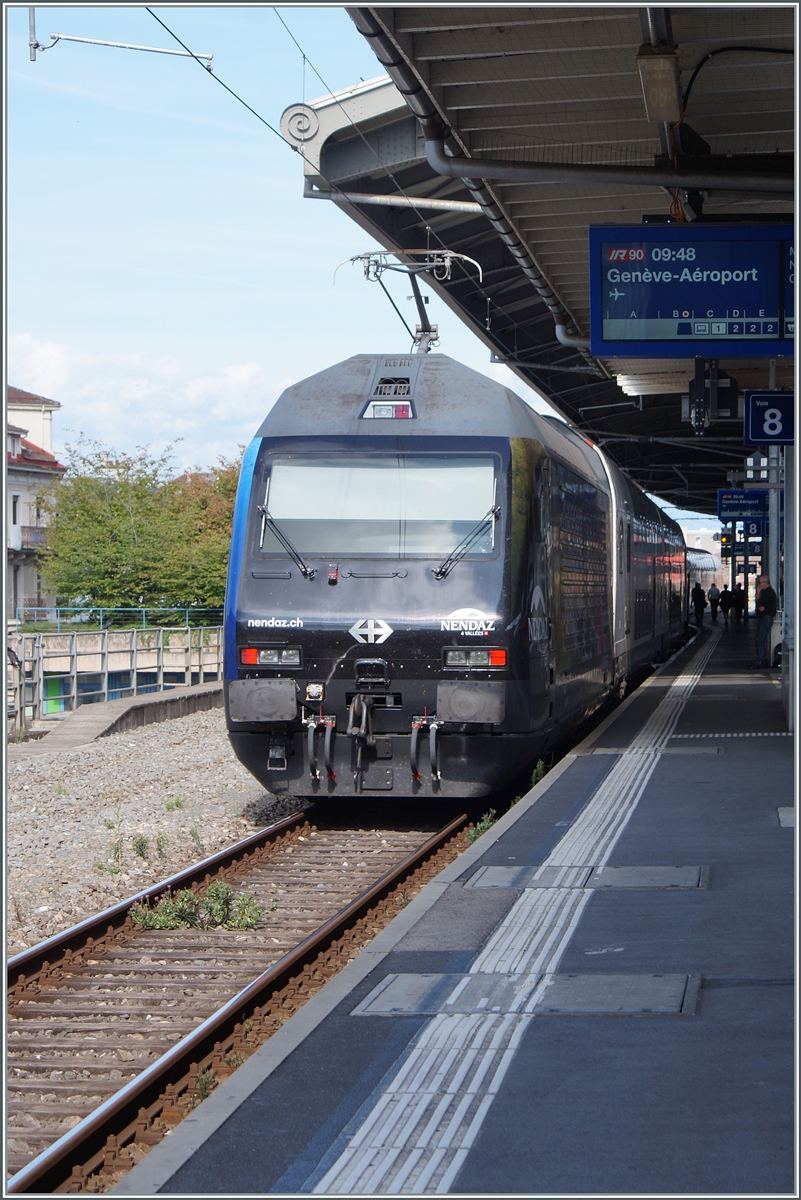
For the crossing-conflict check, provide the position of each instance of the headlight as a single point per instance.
(478, 658)
(251, 656)
(475, 658)
(455, 658)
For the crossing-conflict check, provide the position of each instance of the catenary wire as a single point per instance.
(218, 80)
(278, 134)
(334, 187)
(390, 174)
(371, 148)
(271, 127)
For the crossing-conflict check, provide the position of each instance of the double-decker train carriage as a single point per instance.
(430, 583)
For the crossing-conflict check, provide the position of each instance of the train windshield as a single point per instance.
(395, 506)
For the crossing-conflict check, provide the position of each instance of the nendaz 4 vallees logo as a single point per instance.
(470, 622)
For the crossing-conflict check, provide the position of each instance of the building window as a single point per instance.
(14, 510)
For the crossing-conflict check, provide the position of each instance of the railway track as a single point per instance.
(115, 1033)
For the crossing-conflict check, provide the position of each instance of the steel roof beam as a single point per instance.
(457, 19)
(508, 40)
(459, 167)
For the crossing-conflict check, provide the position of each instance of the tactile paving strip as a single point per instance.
(424, 1119)
(676, 736)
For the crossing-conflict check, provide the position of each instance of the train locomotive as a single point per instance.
(430, 584)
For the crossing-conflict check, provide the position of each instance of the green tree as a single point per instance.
(202, 507)
(125, 532)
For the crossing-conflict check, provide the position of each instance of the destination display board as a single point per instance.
(737, 505)
(687, 291)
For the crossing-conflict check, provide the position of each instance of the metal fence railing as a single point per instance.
(73, 617)
(52, 673)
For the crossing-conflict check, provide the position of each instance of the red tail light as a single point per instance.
(497, 658)
(249, 657)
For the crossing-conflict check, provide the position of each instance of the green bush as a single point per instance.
(217, 902)
(181, 911)
(143, 916)
(486, 822)
(185, 910)
(246, 912)
(140, 845)
(539, 772)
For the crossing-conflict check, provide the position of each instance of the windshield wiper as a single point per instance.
(266, 519)
(447, 565)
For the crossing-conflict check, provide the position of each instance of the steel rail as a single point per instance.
(30, 962)
(119, 1113)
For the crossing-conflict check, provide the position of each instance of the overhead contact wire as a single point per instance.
(218, 80)
(334, 187)
(278, 133)
(385, 168)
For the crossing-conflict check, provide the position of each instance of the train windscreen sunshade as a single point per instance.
(384, 505)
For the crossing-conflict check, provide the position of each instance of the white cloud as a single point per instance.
(128, 400)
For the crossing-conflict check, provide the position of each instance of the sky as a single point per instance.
(165, 278)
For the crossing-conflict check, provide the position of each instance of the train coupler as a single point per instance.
(432, 726)
(313, 725)
(360, 727)
(360, 719)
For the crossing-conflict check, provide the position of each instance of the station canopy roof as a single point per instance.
(557, 93)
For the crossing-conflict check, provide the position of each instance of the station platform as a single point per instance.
(595, 998)
(71, 730)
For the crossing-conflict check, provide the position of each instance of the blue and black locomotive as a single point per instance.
(430, 583)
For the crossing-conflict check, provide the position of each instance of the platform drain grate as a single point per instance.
(589, 877)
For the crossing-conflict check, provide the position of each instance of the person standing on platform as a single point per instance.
(713, 596)
(698, 600)
(738, 602)
(725, 603)
(766, 605)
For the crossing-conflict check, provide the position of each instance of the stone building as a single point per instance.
(31, 473)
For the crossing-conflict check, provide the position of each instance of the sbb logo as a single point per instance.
(625, 254)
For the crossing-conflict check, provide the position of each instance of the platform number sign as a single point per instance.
(769, 419)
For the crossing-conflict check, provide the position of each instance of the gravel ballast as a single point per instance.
(88, 827)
